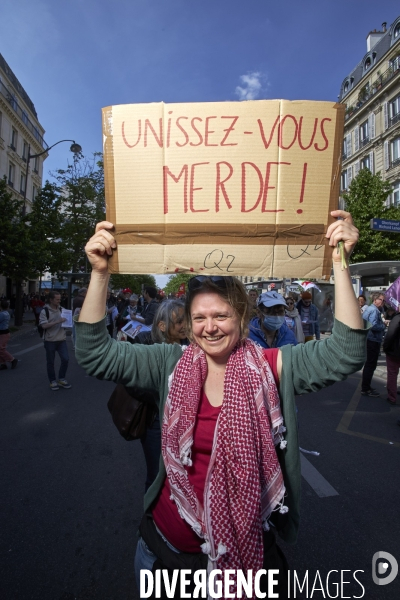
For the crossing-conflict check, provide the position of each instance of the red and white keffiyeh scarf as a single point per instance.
(244, 482)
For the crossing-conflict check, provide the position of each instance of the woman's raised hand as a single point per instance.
(344, 231)
(100, 247)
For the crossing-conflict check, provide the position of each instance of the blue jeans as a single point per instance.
(51, 348)
(144, 559)
(151, 444)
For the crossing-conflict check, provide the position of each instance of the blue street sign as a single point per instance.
(383, 225)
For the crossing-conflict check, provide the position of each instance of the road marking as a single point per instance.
(349, 413)
(19, 352)
(319, 484)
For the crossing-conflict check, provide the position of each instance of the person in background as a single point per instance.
(131, 310)
(326, 318)
(151, 306)
(373, 314)
(253, 297)
(293, 320)
(77, 304)
(391, 347)
(13, 302)
(54, 338)
(389, 313)
(169, 327)
(111, 312)
(37, 305)
(269, 328)
(362, 303)
(5, 356)
(309, 317)
(122, 304)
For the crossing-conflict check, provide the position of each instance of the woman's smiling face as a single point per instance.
(215, 325)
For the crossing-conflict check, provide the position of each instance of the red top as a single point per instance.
(165, 512)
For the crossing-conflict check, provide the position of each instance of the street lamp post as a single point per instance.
(75, 148)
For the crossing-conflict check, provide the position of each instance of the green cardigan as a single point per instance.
(305, 368)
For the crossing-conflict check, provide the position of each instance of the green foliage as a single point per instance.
(365, 200)
(46, 220)
(81, 190)
(16, 252)
(175, 281)
(134, 282)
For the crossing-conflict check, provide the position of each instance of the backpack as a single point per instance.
(40, 328)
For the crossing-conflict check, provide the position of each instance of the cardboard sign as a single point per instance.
(241, 188)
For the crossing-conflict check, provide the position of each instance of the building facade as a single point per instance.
(371, 93)
(20, 134)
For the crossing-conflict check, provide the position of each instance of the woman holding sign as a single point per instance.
(230, 459)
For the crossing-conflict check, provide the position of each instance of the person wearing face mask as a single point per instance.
(269, 328)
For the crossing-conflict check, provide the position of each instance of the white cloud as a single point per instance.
(251, 86)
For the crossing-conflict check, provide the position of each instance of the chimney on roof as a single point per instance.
(374, 37)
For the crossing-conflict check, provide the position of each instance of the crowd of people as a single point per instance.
(220, 368)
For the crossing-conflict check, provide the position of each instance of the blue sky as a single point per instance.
(77, 56)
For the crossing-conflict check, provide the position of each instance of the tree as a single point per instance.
(175, 281)
(133, 282)
(81, 189)
(50, 252)
(16, 254)
(366, 200)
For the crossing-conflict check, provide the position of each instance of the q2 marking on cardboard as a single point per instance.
(229, 188)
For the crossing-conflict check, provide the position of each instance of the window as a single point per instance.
(36, 165)
(25, 117)
(364, 133)
(12, 100)
(394, 64)
(365, 163)
(394, 198)
(1, 120)
(367, 63)
(346, 86)
(394, 110)
(395, 152)
(396, 32)
(11, 174)
(14, 139)
(25, 151)
(374, 57)
(34, 192)
(22, 183)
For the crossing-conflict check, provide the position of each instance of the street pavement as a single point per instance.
(72, 488)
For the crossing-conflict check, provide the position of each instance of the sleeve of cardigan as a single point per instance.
(317, 364)
(132, 365)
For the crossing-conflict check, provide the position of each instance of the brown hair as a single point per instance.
(233, 292)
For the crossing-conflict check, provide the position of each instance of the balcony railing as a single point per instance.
(22, 115)
(364, 141)
(379, 82)
(394, 163)
(394, 119)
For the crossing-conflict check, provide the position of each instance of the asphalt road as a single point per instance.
(71, 489)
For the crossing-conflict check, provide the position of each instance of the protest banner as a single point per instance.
(392, 295)
(241, 188)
